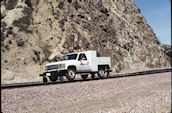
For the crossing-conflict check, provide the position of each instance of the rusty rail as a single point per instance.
(29, 84)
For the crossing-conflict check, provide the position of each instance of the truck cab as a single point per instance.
(82, 63)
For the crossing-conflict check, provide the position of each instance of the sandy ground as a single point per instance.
(137, 94)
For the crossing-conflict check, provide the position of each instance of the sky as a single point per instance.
(158, 16)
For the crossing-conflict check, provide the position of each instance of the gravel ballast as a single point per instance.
(141, 94)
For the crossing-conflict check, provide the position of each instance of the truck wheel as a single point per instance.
(70, 75)
(45, 80)
(108, 74)
(101, 73)
(53, 78)
(84, 77)
(92, 76)
(61, 78)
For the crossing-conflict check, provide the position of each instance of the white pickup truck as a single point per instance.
(83, 63)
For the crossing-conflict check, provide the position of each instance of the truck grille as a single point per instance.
(51, 67)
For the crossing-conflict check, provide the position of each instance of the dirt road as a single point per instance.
(137, 94)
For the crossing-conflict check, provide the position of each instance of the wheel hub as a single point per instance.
(102, 72)
(71, 74)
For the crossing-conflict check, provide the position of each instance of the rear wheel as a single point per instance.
(61, 78)
(101, 73)
(93, 76)
(108, 74)
(53, 78)
(84, 77)
(70, 75)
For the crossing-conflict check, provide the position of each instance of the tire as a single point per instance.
(61, 78)
(70, 75)
(93, 76)
(108, 74)
(45, 79)
(84, 77)
(53, 78)
(101, 73)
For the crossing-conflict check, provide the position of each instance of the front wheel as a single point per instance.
(45, 79)
(70, 75)
(101, 73)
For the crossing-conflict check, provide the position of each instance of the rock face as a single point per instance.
(35, 32)
(167, 51)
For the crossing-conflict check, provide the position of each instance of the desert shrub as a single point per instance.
(6, 47)
(55, 13)
(61, 24)
(81, 16)
(76, 47)
(70, 1)
(76, 5)
(20, 43)
(23, 24)
(37, 56)
(105, 11)
(86, 46)
(3, 24)
(25, 20)
(27, 11)
(46, 51)
(5, 61)
(2, 37)
(10, 30)
(28, 2)
(9, 42)
(61, 3)
(10, 4)
(16, 23)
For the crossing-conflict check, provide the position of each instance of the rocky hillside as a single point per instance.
(35, 32)
(167, 51)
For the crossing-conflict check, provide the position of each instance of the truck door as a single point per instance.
(84, 65)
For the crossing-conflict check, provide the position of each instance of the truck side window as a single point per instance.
(82, 57)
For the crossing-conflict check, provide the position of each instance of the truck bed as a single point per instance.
(103, 60)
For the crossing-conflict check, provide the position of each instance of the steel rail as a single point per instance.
(29, 84)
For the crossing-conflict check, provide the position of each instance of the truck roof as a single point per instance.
(82, 52)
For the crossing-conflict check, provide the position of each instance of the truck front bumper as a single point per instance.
(57, 73)
(43, 74)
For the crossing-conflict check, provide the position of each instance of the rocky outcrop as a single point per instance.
(167, 51)
(35, 32)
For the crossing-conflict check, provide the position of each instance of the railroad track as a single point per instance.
(29, 84)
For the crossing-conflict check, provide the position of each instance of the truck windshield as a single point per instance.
(69, 57)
